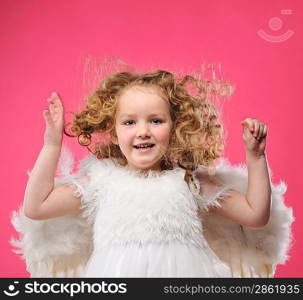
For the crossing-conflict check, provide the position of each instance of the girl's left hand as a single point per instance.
(254, 135)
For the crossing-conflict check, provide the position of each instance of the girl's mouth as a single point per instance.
(144, 148)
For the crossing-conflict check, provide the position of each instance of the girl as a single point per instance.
(150, 200)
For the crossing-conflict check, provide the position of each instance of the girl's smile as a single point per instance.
(143, 126)
(144, 148)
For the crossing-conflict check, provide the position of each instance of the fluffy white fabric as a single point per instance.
(249, 252)
(135, 225)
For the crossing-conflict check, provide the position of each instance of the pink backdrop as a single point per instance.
(43, 43)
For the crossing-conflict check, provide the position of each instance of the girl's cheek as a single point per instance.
(163, 141)
(126, 138)
(164, 135)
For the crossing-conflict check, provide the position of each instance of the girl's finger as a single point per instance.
(265, 130)
(57, 100)
(260, 131)
(248, 124)
(256, 129)
(51, 102)
(51, 106)
(46, 115)
(55, 96)
(247, 120)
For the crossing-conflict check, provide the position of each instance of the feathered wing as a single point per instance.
(58, 247)
(249, 252)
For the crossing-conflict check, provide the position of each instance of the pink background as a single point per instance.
(42, 48)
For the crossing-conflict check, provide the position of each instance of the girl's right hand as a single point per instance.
(54, 120)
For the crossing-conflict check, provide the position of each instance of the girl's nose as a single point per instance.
(143, 130)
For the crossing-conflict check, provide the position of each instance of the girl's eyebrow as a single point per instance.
(151, 115)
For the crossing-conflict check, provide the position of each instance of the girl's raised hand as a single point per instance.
(54, 120)
(254, 135)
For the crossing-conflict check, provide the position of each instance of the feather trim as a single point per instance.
(250, 252)
(59, 246)
(52, 246)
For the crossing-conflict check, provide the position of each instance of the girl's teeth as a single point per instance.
(148, 146)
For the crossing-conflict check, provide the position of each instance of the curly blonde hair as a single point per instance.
(197, 134)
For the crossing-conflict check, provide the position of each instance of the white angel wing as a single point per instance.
(58, 247)
(248, 252)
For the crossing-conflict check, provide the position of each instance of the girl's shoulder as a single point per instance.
(90, 166)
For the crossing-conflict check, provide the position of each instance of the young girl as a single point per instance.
(150, 200)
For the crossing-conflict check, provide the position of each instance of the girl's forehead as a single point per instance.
(140, 89)
(141, 97)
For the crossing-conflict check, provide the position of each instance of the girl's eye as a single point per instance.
(130, 121)
(157, 120)
(125, 123)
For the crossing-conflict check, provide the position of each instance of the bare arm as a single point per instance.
(41, 181)
(252, 209)
(259, 190)
(41, 199)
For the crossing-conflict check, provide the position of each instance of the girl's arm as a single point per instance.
(41, 199)
(259, 189)
(252, 209)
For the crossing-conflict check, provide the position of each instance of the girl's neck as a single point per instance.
(155, 168)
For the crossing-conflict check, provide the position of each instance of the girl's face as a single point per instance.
(143, 117)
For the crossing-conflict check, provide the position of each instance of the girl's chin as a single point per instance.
(144, 165)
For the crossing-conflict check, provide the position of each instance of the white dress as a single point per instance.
(144, 225)
(136, 225)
